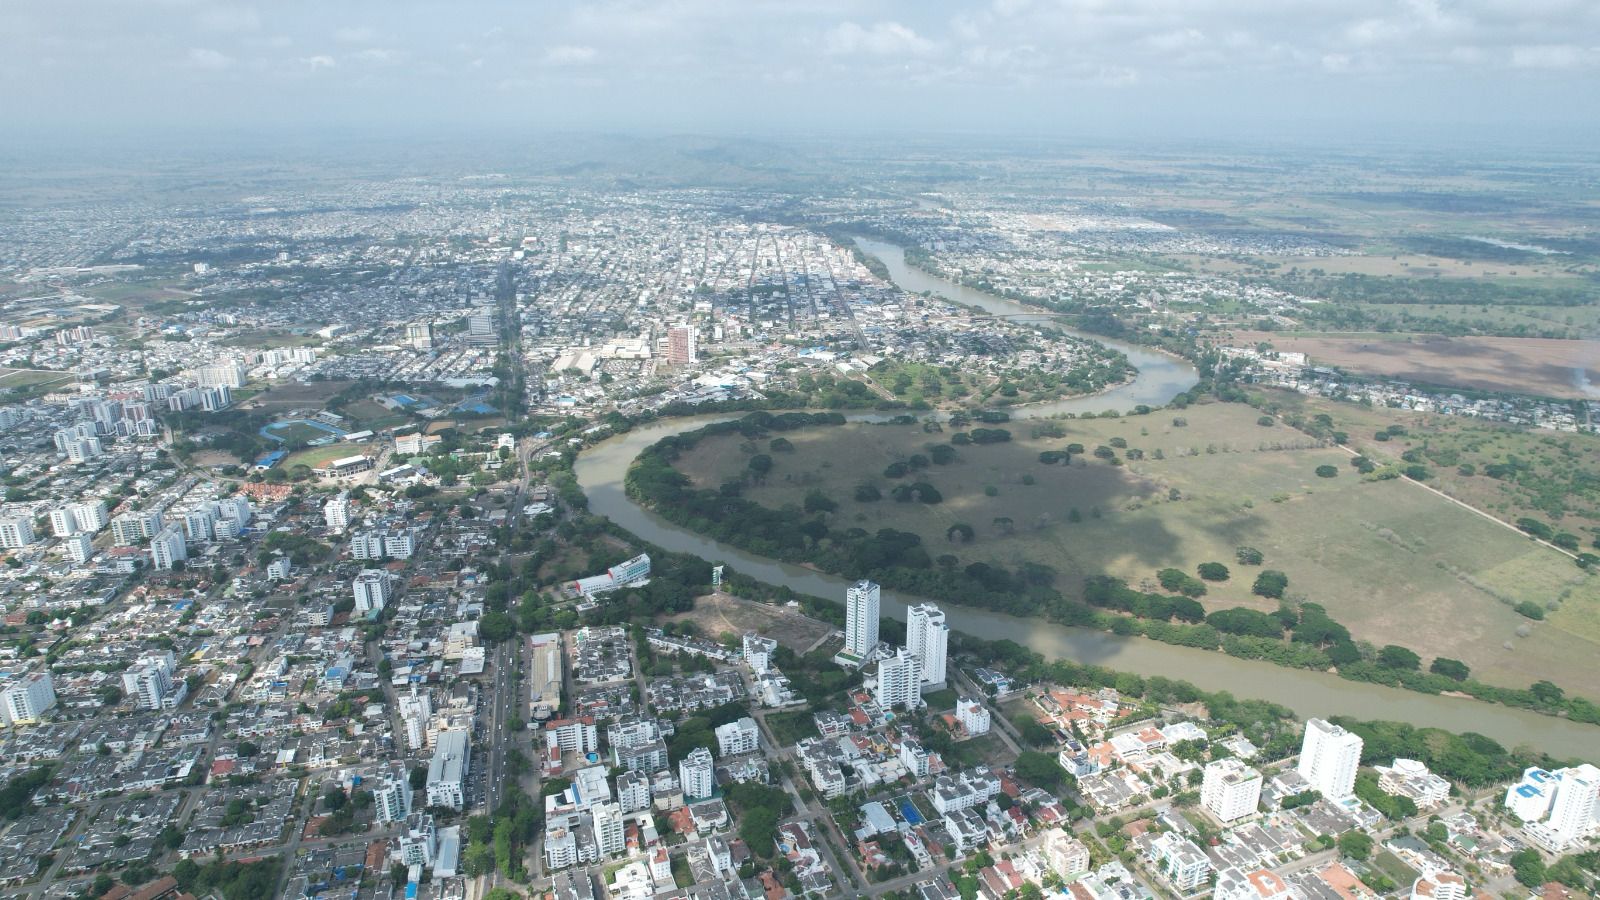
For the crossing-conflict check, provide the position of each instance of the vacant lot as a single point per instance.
(1388, 559)
(721, 613)
(1513, 365)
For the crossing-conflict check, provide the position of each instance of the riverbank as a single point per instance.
(903, 559)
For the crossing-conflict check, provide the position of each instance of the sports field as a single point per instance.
(1387, 558)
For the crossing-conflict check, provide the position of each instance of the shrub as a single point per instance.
(1327, 472)
(1530, 609)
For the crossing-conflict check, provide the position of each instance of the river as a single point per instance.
(601, 470)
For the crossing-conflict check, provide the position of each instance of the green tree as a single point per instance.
(1396, 657)
(1355, 844)
(1213, 571)
(1453, 669)
(1270, 583)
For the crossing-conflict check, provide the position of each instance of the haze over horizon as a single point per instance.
(1495, 70)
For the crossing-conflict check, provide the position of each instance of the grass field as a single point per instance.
(792, 727)
(1512, 365)
(25, 378)
(1388, 559)
(319, 456)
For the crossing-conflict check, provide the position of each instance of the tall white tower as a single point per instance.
(928, 639)
(1329, 757)
(861, 618)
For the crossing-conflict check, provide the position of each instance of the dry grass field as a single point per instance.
(1386, 558)
(721, 613)
(1514, 365)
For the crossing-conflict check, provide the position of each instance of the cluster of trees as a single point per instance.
(233, 880)
(16, 798)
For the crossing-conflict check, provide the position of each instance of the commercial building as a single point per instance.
(681, 345)
(928, 639)
(1329, 756)
(899, 681)
(420, 335)
(1231, 790)
(448, 770)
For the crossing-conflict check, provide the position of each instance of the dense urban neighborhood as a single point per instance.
(302, 597)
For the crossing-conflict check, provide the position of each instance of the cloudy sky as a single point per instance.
(1508, 69)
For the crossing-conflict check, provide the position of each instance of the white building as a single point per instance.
(132, 527)
(973, 716)
(448, 770)
(1177, 858)
(861, 619)
(758, 652)
(392, 798)
(741, 736)
(149, 681)
(337, 514)
(16, 532)
(221, 374)
(62, 522)
(1440, 886)
(697, 775)
(25, 700)
(1231, 790)
(1558, 809)
(80, 547)
(1065, 854)
(1260, 884)
(633, 791)
(1329, 757)
(90, 515)
(371, 589)
(928, 639)
(1411, 778)
(609, 835)
(168, 547)
(572, 735)
(899, 681)
(396, 543)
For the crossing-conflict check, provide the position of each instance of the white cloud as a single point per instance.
(880, 39)
(320, 61)
(358, 35)
(569, 55)
(206, 58)
(377, 55)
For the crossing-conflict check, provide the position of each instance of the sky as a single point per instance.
(1507, 70)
